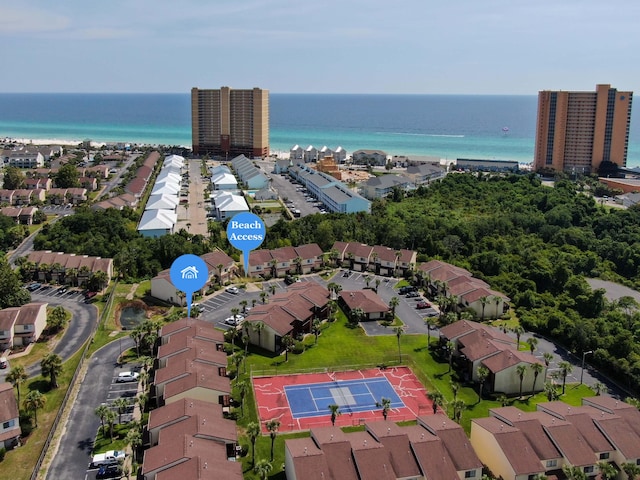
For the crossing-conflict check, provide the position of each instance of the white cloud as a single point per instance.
(28, 21)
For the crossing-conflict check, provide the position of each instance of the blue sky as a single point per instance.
(320, 46)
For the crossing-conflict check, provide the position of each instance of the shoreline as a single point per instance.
(277, 152)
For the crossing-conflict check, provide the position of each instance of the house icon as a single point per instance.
(189, 273)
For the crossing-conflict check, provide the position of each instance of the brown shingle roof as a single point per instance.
(207, 426)
(308, 251)
(454, 440)
(309, 461)
(529, 424)
(175, 450)
(181, 409)
(367, 300)
(515, 446)
(199, 468)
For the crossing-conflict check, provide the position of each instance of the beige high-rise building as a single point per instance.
(577, 131)
(228, 122)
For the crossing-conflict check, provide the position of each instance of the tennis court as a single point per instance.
(351, 396)
(301, 401)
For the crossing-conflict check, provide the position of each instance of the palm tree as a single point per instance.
(399, 331)
(110, 417)
(121, 404)
(455, 386)
(565, 369)
(520, 371)
(134, 438)
(385, 403)
(537, 369)
(262, 469)
(335, 411)
(33, 401)
(574, 473)
(258, 327)
(253, 432)
(607, 471)
(16, 376)
(377, 282)
(51, 366)
(632, 470)
(243, 304)
(272, 288)
(101, 412)
(437, 400)
(599, 388)
(242, 388)
(287, 342)
(272, 428)
(430, 323)
(518, 330)
(263, 297)
(458, 407)
(393, 303)
(483, 374)
(483, 301)
(450, 348)
(56, 319)
(142, 400)
(533, 343)
(235, 311)
(315, 328)
(331, 287)
(355, 315)
(548, 358)
(550, 391)
(220, 267)
(298, 263)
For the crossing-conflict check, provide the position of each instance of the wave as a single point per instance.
(420, 134)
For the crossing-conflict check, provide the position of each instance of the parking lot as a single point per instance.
(58, 292)
(126, 390)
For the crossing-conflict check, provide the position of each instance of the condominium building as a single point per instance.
(228, 122)
(577, 131)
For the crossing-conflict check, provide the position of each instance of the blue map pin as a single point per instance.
(246, 232)
(189, 273)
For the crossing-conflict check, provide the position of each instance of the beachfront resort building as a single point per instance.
(577, 131)
(227, 122)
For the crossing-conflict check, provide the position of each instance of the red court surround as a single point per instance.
(272, 401)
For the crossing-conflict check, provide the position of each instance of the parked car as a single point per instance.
(421, 305)
(234, 321)
(127, 377)
(412, 295)
(109, 471)
(406, 289)
(289, 279)
(34, 286)
(233, 290)
(3, 362)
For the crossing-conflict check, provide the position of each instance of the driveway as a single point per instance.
(84, 318)
(97, 387)
(406, 310)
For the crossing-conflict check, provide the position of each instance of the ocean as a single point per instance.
(497, 127)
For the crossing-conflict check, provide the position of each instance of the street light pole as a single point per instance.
(584, 354)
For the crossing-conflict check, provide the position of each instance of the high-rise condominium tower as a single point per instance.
(228, 122)
(577, 131)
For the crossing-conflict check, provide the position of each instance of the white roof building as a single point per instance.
(166, 187)
(228, 204)
(155, 223)
(224, 181)
(174, 160)
(162, 202)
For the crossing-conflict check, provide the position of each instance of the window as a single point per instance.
(588, 469)
(604, 456)
(470, 474)
(8, 424)
(552, 463)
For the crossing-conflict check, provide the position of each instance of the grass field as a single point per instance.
(341, 346)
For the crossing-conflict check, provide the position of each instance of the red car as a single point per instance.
(421, 305)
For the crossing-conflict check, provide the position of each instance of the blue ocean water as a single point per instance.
(447, 126)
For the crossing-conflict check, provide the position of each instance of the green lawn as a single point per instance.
(18, 464)
(343, 347)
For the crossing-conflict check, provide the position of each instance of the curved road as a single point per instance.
(76, 442)
(78, 331)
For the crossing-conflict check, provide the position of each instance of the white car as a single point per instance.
(233, 290)
(127, 377)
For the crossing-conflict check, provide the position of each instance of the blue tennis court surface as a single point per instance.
(313, 399)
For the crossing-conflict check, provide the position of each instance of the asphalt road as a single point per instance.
(75, 445)
(84, 317)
